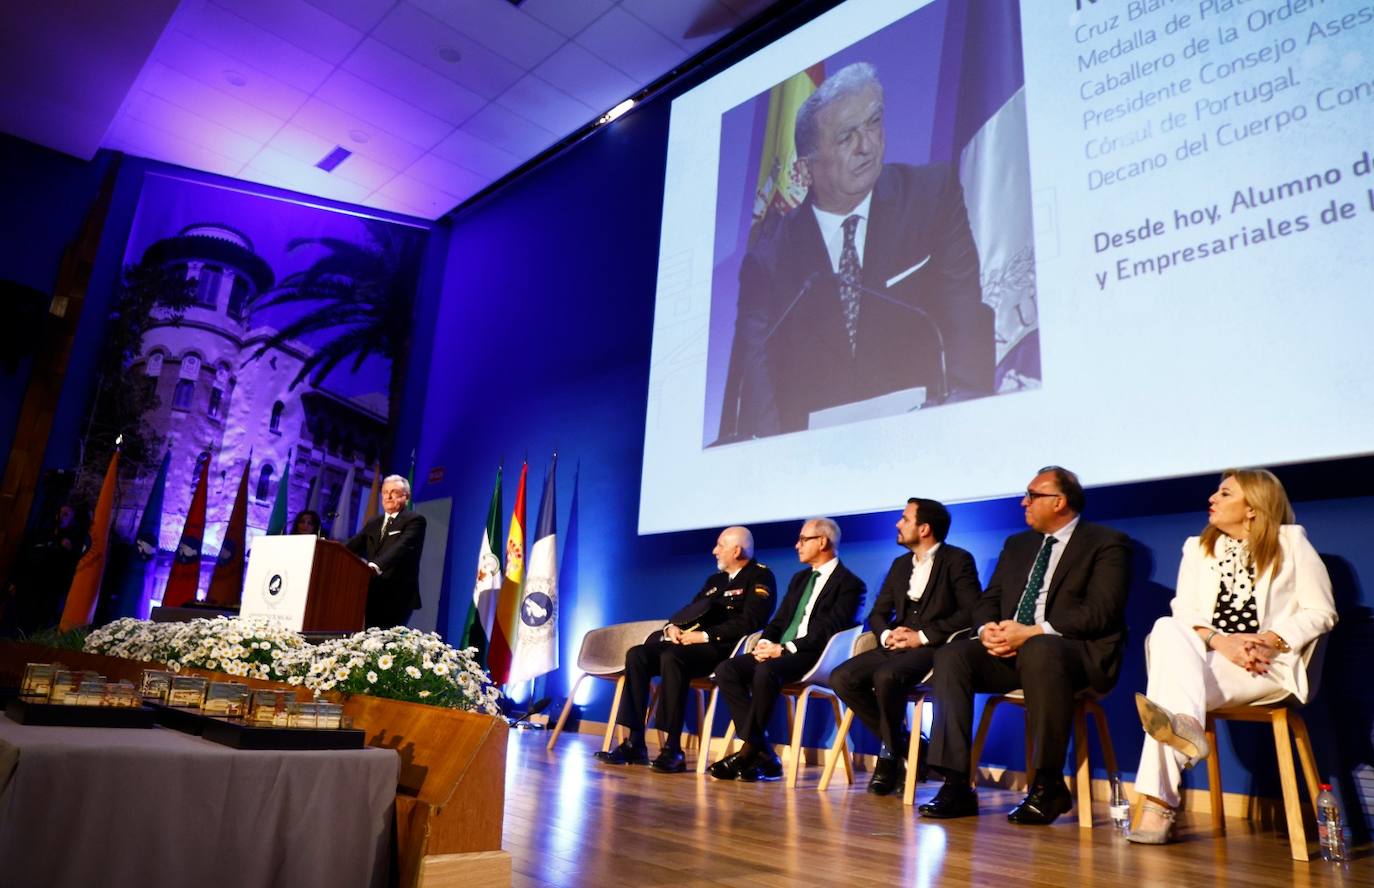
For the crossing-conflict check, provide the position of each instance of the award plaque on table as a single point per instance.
(305, 583)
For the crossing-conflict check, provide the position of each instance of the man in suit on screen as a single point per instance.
(858, 279)
(1052, 621)
(391, 544)
(927, 596)
(822, 599)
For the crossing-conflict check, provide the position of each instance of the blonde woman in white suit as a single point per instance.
(1253, 598)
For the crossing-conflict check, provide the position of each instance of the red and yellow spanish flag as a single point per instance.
(184, 579)
(226, 584)
(85, 589)
(779, 188)
(505, 631)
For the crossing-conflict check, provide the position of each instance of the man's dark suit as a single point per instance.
(1085, 604)
(730, 609)
(395, 592)
(918, 227)
(875, 683)
(751, 687)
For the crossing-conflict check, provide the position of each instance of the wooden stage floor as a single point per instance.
(573, 821)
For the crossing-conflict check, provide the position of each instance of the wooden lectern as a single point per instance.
(307, 584)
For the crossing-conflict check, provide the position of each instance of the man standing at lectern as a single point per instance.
(858, 278)
(391, 543)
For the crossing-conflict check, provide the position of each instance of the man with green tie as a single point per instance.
(821, 599)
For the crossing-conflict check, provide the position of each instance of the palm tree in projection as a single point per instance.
(361, 292)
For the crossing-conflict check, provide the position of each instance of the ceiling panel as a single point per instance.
(691, 25)
(342, 128)
(149, 109)
(297, 22)
(412, 82)
(476, 154)
(447, 177)
(508, 131)
(244, 40)
(567, 17)
(421, 199)
(500, 27)
(631, 46)
(539, 102)
(382, 109)
(145, 140)
(364, 171)
(423, 38)
(214, 68)
(238, 115)
(589, 78)
(361, 14)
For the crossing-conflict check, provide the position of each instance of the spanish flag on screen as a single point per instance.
(778, 190)
(503, 634)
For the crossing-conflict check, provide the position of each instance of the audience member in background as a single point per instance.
(927, 596)
(821, 600)
(1052, 622)
(1253, 598)
(38, 586)
(307, 521)
(734, 601)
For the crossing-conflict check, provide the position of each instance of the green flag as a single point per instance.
(277, 523)
(481, 611)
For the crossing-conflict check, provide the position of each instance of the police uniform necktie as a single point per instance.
(791, 631)
(849, 282)
(1025, 611)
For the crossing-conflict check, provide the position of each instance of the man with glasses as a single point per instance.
(927, 596)
(1052, 622)
(391, 544)
(821, 599)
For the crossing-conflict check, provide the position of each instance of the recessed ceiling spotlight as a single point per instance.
(450, 54)
(358, 136)
(234, 78)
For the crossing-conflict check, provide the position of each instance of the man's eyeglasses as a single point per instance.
(803, 539)
(1035, 494)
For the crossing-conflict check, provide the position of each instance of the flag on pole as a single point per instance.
(276, 524)
(147, 539)
(410, 479)
(312, 502)
(503, 633)
(373, 495)
(84, 591)
(343, 514)
(482, 612)
(185, 575)
(536, 646)
(226, 584)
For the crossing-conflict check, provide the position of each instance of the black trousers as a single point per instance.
(875, 685)
(751, 689)
(676, 665)
(385, 611)
(1049, 668)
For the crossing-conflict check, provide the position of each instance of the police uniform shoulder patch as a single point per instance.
(762, 591)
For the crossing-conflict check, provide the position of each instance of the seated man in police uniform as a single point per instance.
(734, 602)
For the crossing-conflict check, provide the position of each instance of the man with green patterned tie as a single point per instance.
(1052, 622)
(821, 599)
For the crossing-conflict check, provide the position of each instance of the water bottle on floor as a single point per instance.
(1120, 806)
(1330, 829)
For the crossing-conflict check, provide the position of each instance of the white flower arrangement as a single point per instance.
(400, 663)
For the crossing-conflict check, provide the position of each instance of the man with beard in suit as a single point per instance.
(927, 596)
(391, 544)
(821, 600)
(734, 601)
(874, 277)
(1052, 622)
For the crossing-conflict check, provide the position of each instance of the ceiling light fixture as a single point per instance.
(358, 136)
(617, 111)
(234, 78)
(450, 54)
(334, 158)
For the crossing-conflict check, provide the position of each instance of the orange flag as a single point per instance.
(85, 589)
(185, 575)
(226, 586)
(373, 495)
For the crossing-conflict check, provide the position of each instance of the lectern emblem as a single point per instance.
(274, 584)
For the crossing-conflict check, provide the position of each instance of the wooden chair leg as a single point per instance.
(1303, 742)
(913, 754)
(1218, 799)
(707, 726)
(563, 716)
(1104, 736)
(838, 712)
(1288, 779)
(837, 749)
(1030, 749)
(798, 722)
(701, 715)
(980, 737)
(1083, 775)
(652, 707)
(615, 710)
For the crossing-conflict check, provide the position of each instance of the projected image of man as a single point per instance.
(870, 287)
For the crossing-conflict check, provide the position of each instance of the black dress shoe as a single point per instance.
(669, 761)
(764, 766)
(625, 754)
(955, 799)
(1043, 805)
(888, 776)
(727, 768)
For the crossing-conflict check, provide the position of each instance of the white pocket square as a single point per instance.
(392, 533)
(898, 278)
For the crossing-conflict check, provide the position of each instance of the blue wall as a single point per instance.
(542, 343)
